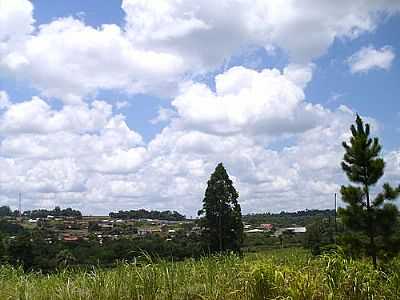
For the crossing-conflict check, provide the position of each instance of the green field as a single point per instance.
(279, 274)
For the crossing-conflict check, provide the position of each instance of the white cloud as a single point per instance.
(120, 161)
(163, 115)
(36, 116)
(111, 168)
(122, 104)
(305, 29)
(16, 22)
(266, 179)
(37, 140)
(250, 102)
(368, 58)
(92, 59)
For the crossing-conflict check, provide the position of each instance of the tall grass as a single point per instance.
(287, 274)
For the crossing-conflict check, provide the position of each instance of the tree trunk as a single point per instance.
(371, 229)
(220, 227)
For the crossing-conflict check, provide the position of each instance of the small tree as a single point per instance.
(222, 217)
(371, 222)
(65, 258)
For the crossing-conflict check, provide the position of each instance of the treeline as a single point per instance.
(300, 218)
(5, 211)
(56, 212)
(145, 214)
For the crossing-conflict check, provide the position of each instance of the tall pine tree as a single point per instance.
(221, 213)
(371, 222)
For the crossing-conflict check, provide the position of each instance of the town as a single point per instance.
(73, 227)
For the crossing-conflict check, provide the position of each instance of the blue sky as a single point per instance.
(138, 112)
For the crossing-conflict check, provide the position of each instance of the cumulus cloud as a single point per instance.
(36, 116)
(46, 151)
(204, 34)
(108, 166)
(163, 115)
(368, 58)
(302, 174)
(120, 161)
(16, 22)
(49, 62)
(247, 101)
(122, 104)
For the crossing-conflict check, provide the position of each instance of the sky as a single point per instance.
(132, 104)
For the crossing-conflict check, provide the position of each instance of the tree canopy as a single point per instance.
(145, 214)
(56, 212)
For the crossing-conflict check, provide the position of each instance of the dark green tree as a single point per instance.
(319, 236)
(65, 258)
(370, 222)
(3, 252)
(5, 211)
(20, 251)
(221, 213)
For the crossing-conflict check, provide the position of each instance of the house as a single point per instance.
(70, 238)
(267, 226)
(296, 229)
(254, 231)
(105, 225)
(144, 231)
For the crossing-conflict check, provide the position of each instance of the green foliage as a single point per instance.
(34, 252)
(222, 217)
(3, 251)
(65, 258)
(5, 211)
(320, 236)
(288, 219)
(56, 212)
(371, 223)
(10, 228)
(21, 251)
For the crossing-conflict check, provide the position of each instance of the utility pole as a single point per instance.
(335, 218)
(19, 204)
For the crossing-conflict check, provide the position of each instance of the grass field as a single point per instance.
(279, 274)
